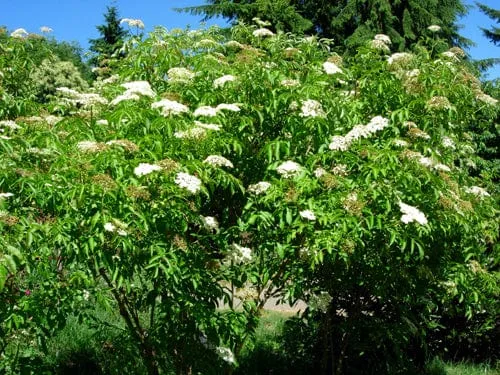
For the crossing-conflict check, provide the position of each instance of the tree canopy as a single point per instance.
(349, 22)
(494, 33)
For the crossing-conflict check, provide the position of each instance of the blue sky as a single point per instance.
(75, 20)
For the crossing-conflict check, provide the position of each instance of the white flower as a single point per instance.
(139, 87)
(210, 223)
(331, 68)
(450, 55)
(399, 57)
(180, 75)
(400, 143)
(289, 169)
(109, 227)
(448, 143)
(233, 44)
(127, 95)
(206, 111)
(411, 214)
(145, 168)
(308, 215)
(485, 98)
(434, 28)
(90, 146)
(9, 124)
(133, 22)
(442, 167)
(263, 32)
(102, 122)
(193, 133)
(259, 188)
(339, 143)
(478, 191)
(218, 161)
(188, 182)
(170, 107)
(226, 354)
(290, 82)
(427, 162)
(379, 45)
(240, 254)
(221, 81)
(207, 126)
(119, 228)
(312, 108)
(261, 23)
(228, 107)
(357, 132)
(86, 295)
(19, 33)
(6, 195)
(383, 38)
(45, 29)
(319, 172)
(377, 123)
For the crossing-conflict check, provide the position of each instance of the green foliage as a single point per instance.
(351, 23)
(494, 33)
(111, 39)
(217, 169)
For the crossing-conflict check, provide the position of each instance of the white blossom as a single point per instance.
(180, 75)
(226, 354)
(240, 254)
(259, 188)
(117, 227)
(262, 32)
(312, 108)
(400, 143)
(228, 107)
(218, 161)
(331, 68)
(102, 122)
(383, 38)
(308, 215)
(188, 182)
(289, 169)
(442, 167)
(411, 214)
(399, 57)
(448, 143)
(221, 81)
(290, 82)
(233, 44)
(133, 22)
(339, 143)
(485, 98)
(145, 168)
(6, 195)
(478, 191)
(319, 172)
(90, 146)
(170, 107)
(377, 123)
(45, 29)
(210, 223)
(139, 87)
(379, 45)
(208, 126)
(9, 124)
(19, 33)
(434, 28)
(206, 111)
(127, 95)
(193, 133)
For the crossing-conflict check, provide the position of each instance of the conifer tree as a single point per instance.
(351, 22)
(111, 39)
(494, 33)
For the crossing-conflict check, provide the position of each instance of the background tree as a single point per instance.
(494, 33)
(351, 22)
(112, 36)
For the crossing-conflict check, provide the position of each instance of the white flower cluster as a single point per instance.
(411, 214)
(218, 161)
(139, 87)
(400, 143)
(180, 75)
(206, 43)
(19, 33)
(308, 215)
(188, 182)
(259, 188)
(221, 81)
(210, 223)
(74, 97)
(312, 108)
(448, 143)
(208, 111)
(289, 169)
(192, 133)
(342, 143)
(102, 122)
(319, 172)
(9, 124)
(116, 226)
(331, 68)
(6, 195)
(485, 98)
(127, 95)
(226, 354)
(45, 29)
(434, 28)
(234, 44)
(145, 168)
(262, 32)
(399, 57)
(379, 45)
(240, 254)
(207, 126)
(290, 82)
(170, 107)
(90, 146)
(477, 191)
(383, 38)
(133, 22)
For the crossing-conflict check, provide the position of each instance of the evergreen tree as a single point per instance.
(112, 37)
(351, 22)
(494, 33)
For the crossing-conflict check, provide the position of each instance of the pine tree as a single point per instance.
(112, 37)
(351, 22)
(494, 33)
